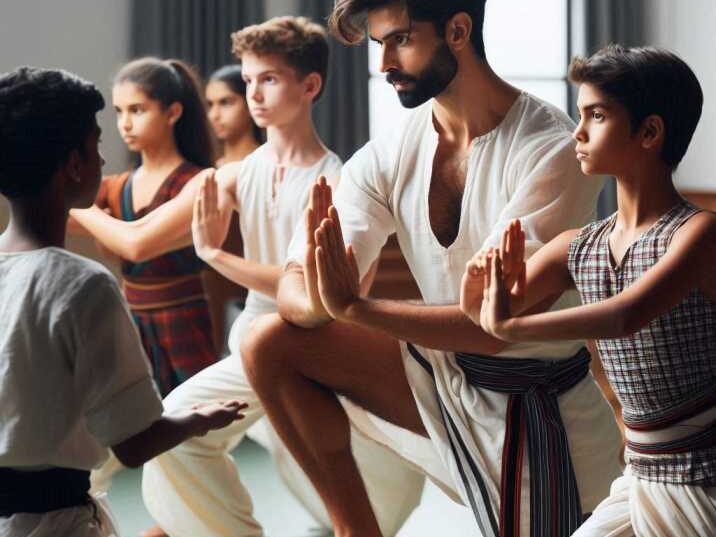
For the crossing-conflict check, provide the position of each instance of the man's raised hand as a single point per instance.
(320, 200)
(338, 276)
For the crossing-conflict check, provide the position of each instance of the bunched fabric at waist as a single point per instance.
(42, 491)
(702, 439)
(532, 420)
(697, 404)
(163, 294)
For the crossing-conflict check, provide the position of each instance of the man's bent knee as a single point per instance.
(263, 349)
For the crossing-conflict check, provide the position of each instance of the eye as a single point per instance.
(597, 116)
(401, 39)
(270, 79)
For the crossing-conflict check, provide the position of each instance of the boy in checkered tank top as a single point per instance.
(644, 275)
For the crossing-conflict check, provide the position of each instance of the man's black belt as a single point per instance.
(42, 491)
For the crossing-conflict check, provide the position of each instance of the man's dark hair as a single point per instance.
(347, 22)
(44, 115)
(647, 81)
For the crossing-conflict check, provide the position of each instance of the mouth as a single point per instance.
(581, 155)
(258, 111)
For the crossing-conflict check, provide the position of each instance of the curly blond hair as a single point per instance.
(302, 43)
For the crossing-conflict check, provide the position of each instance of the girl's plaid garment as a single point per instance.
(176, 338)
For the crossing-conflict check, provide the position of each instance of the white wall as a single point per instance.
(687, 28)
(87, 37)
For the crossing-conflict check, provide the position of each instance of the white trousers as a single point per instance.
(640, 508)
(74, 521)
(195, 489)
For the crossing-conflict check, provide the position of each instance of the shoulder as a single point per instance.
(68, 278)
(697, 230)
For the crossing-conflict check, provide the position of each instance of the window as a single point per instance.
(526, 43)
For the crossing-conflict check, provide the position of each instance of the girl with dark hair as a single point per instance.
(229, 114)
(161, 116)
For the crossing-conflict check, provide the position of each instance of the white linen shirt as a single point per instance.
(524, 168)
(74, 379)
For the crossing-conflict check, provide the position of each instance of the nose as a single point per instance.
(213, 112)
(254, 93)
(387, 59)
(125, 122)
(579, 133)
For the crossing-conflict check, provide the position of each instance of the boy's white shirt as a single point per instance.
(74, 378)
(270, 213)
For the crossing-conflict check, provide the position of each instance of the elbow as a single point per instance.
(626, 322)
(128, 456)
(137, 251)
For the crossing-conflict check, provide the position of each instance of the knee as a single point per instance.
(263, 350)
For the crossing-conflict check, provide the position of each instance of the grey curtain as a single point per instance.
(613, 21)
(342, 112)
(196, 31)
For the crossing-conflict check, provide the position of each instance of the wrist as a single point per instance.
(354, 311)
(208, 254)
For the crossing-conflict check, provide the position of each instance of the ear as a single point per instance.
(458, 30)
(313, 84)
(174, 112)
(652, 132)
(73, 166)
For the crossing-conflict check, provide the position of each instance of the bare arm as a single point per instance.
(170, 431)
(686, 265)
(210, 225)
(162, 230)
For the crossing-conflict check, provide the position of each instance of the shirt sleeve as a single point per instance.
(111, 369)
(361, 200)
(547, 192)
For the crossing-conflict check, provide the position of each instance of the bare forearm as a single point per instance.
(437, 327)
(162, 435)
(127, 239)
(593, 321)
(257, 276)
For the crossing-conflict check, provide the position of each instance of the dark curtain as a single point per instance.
(341, 114)
(613, 21)
(196, 31)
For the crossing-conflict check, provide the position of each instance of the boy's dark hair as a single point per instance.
(647, 81)
(44, 115)
(231, 76)
(300, 42)
(171, 81)
(347, 22)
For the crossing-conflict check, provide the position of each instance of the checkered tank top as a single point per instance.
(666, 371)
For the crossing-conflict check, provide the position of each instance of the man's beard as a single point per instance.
(431, 82)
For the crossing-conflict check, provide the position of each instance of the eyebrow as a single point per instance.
(390, 34)
(598, 104)
(267, 72)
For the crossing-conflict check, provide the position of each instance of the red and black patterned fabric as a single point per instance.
(176, 333)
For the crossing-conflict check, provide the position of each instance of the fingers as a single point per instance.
(506, 248)
(352, 261)
(521, 283)
(309, 221)
(487, 274)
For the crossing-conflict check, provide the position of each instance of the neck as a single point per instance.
(35, 223)
(295, 143)
(238, 149)
(460, 116)
(161, 157)
(645, 195)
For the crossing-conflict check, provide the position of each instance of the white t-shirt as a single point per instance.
(271, 201)
(524, 168)
(74, 378)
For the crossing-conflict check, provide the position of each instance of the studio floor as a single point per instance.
(280, 514)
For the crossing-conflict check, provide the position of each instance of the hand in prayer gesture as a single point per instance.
(320, 200)
(209, 224)
(512, 269)
(338, 276)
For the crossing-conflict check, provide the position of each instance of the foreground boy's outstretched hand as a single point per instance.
(216, 415)
(338, 276)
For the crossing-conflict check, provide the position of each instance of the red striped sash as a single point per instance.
(163, 294)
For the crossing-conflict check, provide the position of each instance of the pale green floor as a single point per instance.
(279, 513)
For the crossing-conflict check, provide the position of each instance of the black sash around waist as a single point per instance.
(42, 491)
(533, 420)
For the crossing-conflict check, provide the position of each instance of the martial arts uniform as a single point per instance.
(73, 381)
(524, 168)
(195, 488)
(664, 376)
